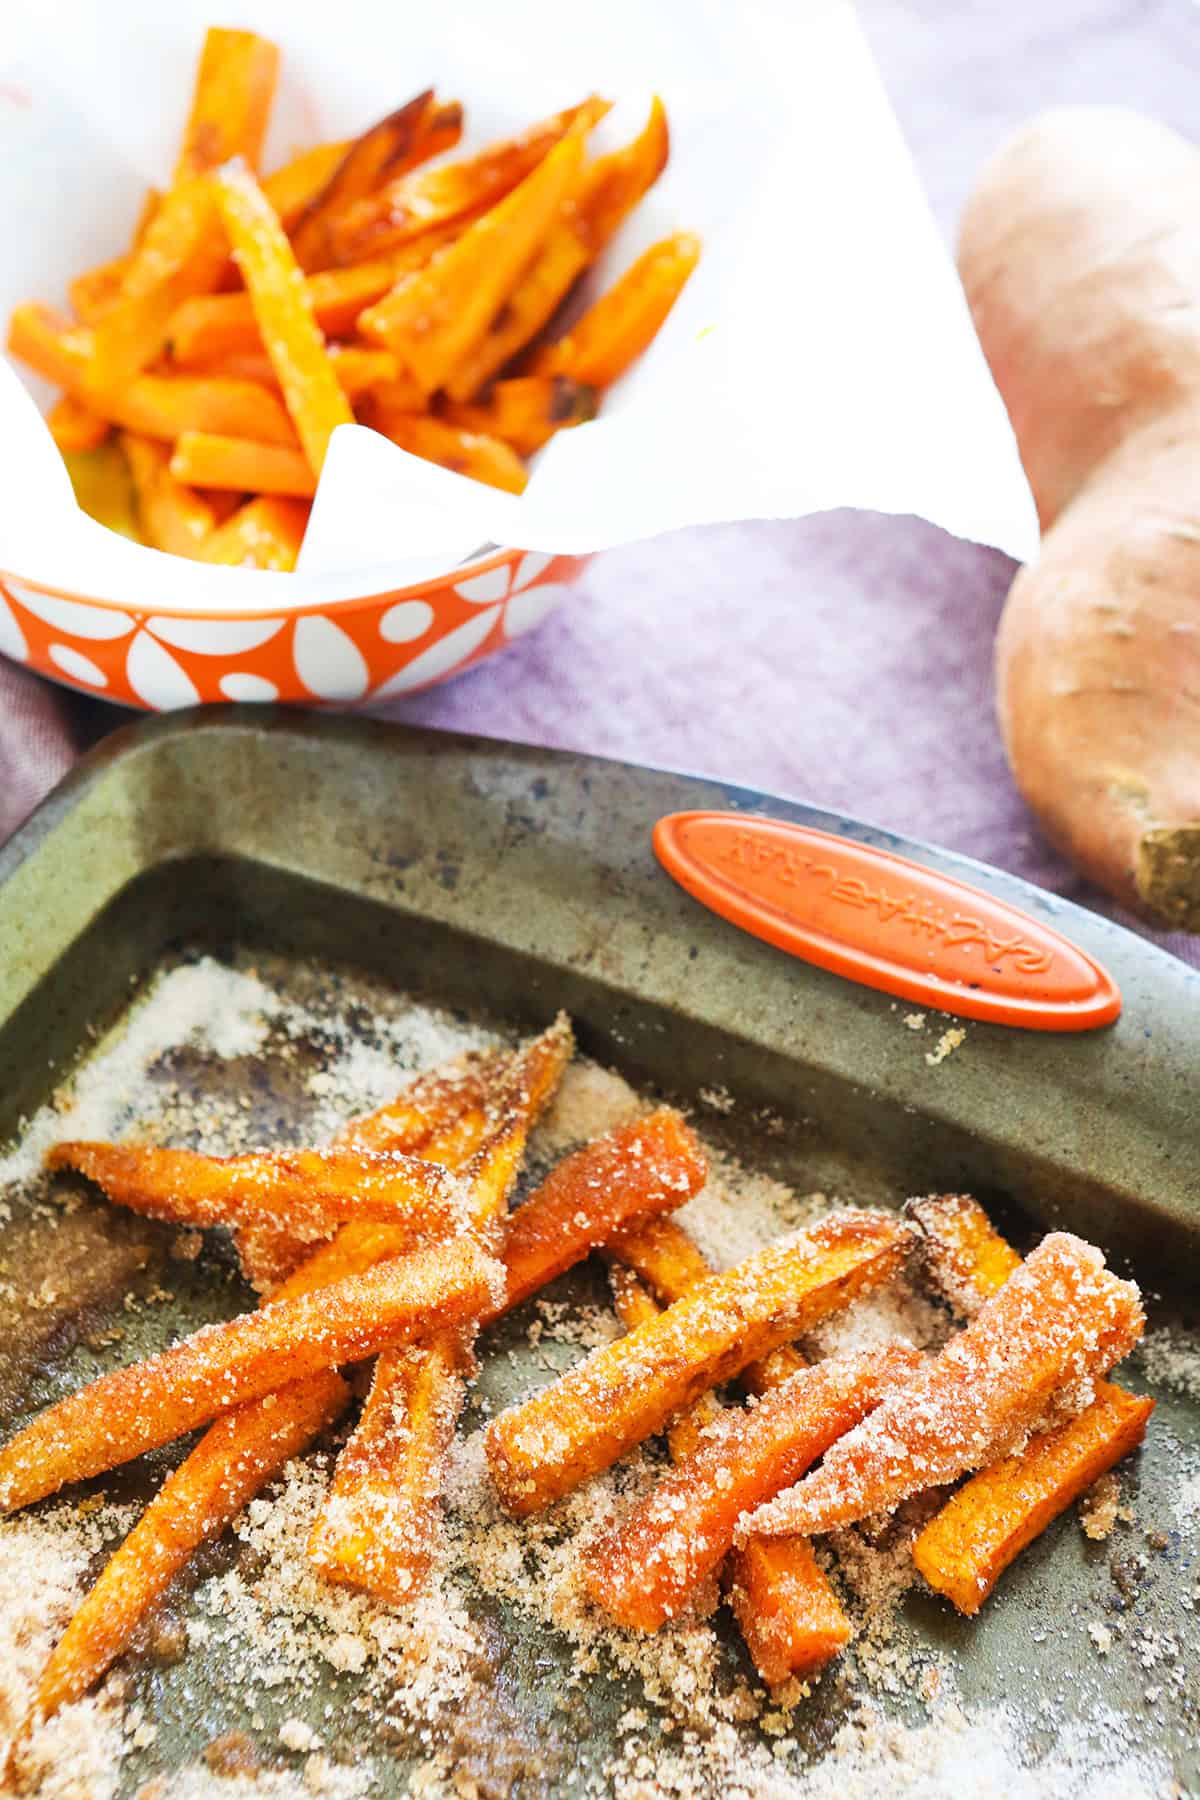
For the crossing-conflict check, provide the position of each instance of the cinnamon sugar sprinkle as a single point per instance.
(261, 1678)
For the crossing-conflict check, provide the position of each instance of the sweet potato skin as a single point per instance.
(1080, 257)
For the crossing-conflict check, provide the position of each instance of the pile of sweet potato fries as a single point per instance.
(395, 1242)
(250, 317)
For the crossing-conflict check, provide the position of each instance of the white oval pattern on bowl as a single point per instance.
(73, 617)
(329, 663)
(440, 658)
(78, 666)
(215, 637)
(238, 685)
(156, 678)
(405, 622)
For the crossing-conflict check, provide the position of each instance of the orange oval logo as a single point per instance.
(886, 922)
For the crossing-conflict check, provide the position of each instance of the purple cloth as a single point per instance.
(845, 659)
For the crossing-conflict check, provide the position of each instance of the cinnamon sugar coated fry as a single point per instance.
(965, 1549)
(304, 1189)
(622, 1393)
(644, 1569)
(651, 1166)
(965, 1257)
(379, 1526)
(233, 1461)
(792, 1621)
(139, 1407)
(1035, 1349)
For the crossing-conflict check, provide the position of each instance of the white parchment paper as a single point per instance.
(820, 356)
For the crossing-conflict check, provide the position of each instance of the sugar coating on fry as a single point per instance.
(663, 1254)
(642, 1571)
(307, 1190)
(139, 1407)
(792, 1621)
(626, 1391)
(290, 333)
(963, 1254)
(982, 1528)
(649, 1166)
(236, 1457)
(378, 1529)
(379, 1526)
(1031, 1356)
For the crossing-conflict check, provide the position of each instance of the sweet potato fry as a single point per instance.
(172, 517)
(792, 1621)
(790, 1617)
(435, 318)
(93, 292)
(263, 534)
(139, 1407)
(241, 1451)
(525, 411)
(608, 189)
(293, 188)
(217, 460)
(633, 1172)
(635, 1305)
(290, 334)
(235, 85)
(231, 1463)
(963, 1254)
(624, 1392)
(307, 1190)
(533, 301)
(214, 325)
(616, 330)
(613, 184)
(74, 426)
(967, 1546)
(405, 208)
(181, 254)
(405, 138)
(642, 1571)
(158, 406)
(358, 371)
(486, 459)
(441, 1113)
(379, 1526)
(663, 1254)
(1035, 1350)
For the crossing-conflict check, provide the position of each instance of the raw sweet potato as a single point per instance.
(1080, 256)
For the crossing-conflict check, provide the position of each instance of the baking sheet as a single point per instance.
(1044, 1710)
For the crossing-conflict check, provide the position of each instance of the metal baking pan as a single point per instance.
(510, 882)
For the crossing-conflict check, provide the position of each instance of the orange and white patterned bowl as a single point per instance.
(330, 652)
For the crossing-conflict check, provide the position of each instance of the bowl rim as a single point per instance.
(476, 565)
